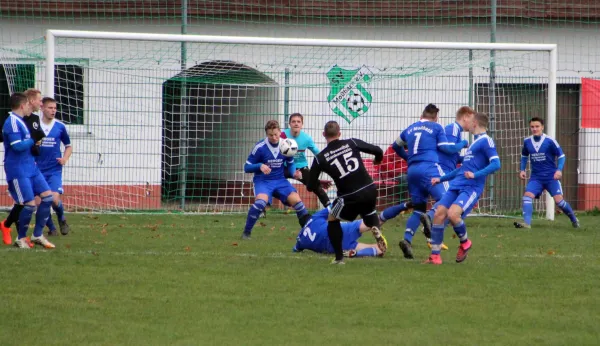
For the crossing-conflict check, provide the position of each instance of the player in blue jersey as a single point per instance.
(24, 178)
(314, 236)
(32, 121)
(51, 161)
(267, 164)
(304, 141)
(424, 139)
(466, 187)
(547, 162)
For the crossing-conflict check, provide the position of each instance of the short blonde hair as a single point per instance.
(31, 93)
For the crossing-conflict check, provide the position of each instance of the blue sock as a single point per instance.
(60, 211)
(42, 215)
(412, 224)
(527, 209)
(566, 208)
(437, 238)
(50, 224)
(24, 220)
(393, 211)
(253, 214)
(368, 252)
(461, 231)
(300, 209)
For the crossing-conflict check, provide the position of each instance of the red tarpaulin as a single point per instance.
(590, 103)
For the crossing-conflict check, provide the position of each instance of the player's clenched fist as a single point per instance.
(265, 169)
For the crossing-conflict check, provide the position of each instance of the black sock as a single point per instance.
(334, 230)
(323, 198)
(14, 215)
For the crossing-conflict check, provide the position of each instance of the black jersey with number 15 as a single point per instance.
(341, 160)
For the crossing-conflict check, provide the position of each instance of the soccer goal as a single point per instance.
(165, 122)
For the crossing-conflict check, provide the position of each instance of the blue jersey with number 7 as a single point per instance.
(423, 139)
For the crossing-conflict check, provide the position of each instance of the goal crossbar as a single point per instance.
(551, 49)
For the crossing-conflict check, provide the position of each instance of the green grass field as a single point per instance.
(189, 280)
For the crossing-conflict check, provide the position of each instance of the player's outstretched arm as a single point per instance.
(398, 147)
(14, 138)
(449, 148)
(313, 178)
(313, 147)
(450, 176)
(369, 149)
(492, 167)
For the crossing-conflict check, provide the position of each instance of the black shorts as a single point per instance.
(362, 203)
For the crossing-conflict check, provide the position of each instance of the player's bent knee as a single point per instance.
(45, 194)
(293, 198)
(558, 198)
(455, 214)
(441, 213)
(55, 197)
(47, 199)
(262, 197)
(529, 194)
(371, 220)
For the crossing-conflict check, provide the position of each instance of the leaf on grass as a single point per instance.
(234, 244)
(121, 226)
(187, 249)
(499, 246)
(483, 235)
(551, 252)
(273, 228)
(454, 236)
(262, 224)
(98, 242)
(91, 217)
(500, 235)
(68, 246)
(95, 253)
(202, 231)
(290, 238)
(232, 224)
(123, 218)
(104, 232)
(282, 228)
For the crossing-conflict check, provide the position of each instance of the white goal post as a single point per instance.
(551, 49)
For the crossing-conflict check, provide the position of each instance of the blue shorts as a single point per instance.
(351, 231)
(419, 182)
(466, 198)
(24, 190)
(54, 180)
(279, 189)
(536, 187)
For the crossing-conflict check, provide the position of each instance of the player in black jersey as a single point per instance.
(356, 192)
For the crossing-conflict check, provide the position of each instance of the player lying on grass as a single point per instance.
(547, 162)
(314, 236)
(466, 187)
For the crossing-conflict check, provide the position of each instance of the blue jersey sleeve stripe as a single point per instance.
(561, 156)
(494, 157)
(13, 122)
(15, 142)
(445, 143)
(256, 147)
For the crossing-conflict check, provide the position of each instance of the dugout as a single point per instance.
(213, 114)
